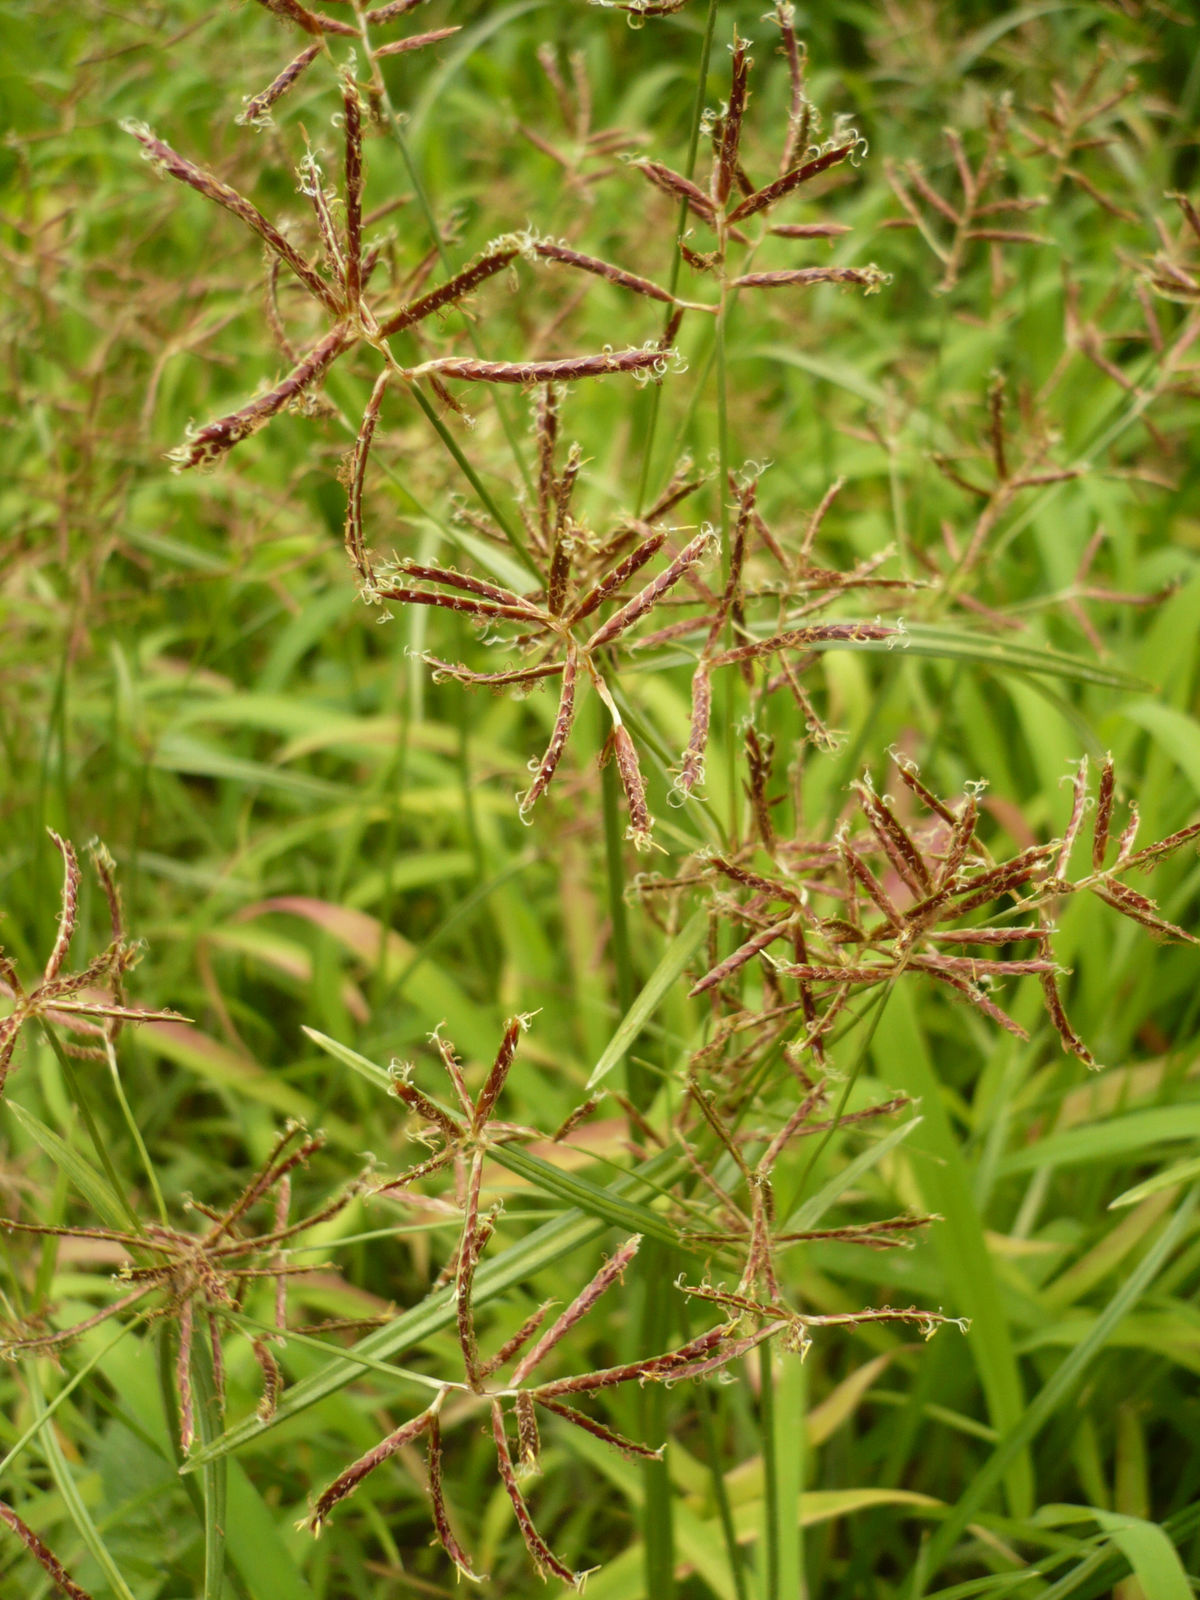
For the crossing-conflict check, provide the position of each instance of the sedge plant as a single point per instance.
(742, 1115)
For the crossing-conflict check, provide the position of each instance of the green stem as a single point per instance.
(209, 1423)
(618, 916)
(99, 1145)
(135, 1132)
(680, 229)
(770, 1552)
(468, 471)
(791, 1396)
(658, 1529)
(708, 1401)
(64, 1481)
(393, 782)
(874, 1017)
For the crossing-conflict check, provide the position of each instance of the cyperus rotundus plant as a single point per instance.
(693, 601)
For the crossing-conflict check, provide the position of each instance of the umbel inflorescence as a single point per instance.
(572, 624)
(808, 928)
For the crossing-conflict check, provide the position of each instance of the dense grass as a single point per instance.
(319, 845)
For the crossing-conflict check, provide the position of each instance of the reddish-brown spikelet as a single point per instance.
(894, 838)
(960, 843)
(501, 1067)
(887, 1234)
(1104, 810)
(859, 872)
(465, 581)
(529, 1444)
(763, 199)
(672, 183)
(45, 1557)
(802, 638)
(565, 489)
(810, 230)
(354, 189)
(469, 369)
(176, 166)
(1148, 858)
(454, 1071)
(441, 1519)
(214, 439)
(799, 108)
(1138, 908)
(448, 293)
(1079, 797)
(312, 186)
(563, 722)
(416, 1100)
(454, 602)
(738, 958)
(310, 21)
(183, 1377)
(356, 547)
(271, 1376)
(615, 580)
(680, 487)
(579, 1307)
(218, 1361)
(256, 108)
(346, 1483)
(869, 278)
(653, 1367)
(68, 914)
(813, 526)
(549, 251)
(560, 554)
(760, 752)
(817, 972)
(547, 439)
(416, 41)
(541, 1552)
(973, 967)
(632, 782)
(818, 732)
(755, 880)
(494, 680)
(1006, 236)
(1128, 835)
(391, 12)
(468, 1256)
(732, 1351)
(269, 1174)
(580, 1419)
(1001, 880)
(726, 164)
(695, 551)
(982, 935)
(1071, 1041)
(909, 775)
(692, 771)
(515, 1341)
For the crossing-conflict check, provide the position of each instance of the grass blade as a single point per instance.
(1057, 1388)
(676, 957)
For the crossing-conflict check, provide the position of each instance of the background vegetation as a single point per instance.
(319, 844)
